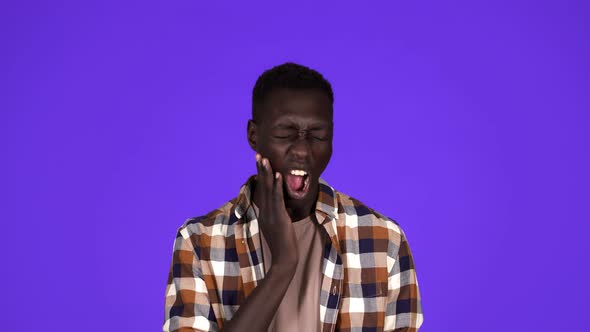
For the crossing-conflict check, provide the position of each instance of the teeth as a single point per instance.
(298, 172)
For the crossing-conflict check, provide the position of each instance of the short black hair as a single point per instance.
(289, 75)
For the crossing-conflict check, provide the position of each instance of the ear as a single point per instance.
(251, 132)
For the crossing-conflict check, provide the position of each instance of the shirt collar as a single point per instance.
(326, 204)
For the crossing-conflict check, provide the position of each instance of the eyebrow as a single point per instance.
(315, 126)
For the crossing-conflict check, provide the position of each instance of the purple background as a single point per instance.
(466, 121)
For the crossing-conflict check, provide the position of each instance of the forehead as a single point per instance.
(299, 107)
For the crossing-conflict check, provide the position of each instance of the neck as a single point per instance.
(298, 210)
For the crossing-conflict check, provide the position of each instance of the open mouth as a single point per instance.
(297, 183)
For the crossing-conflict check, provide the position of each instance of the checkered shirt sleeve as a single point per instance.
(404, 306)
(187, 301)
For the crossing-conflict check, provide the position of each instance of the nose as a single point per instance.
(300, 149)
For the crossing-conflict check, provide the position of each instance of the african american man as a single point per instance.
(290, 253)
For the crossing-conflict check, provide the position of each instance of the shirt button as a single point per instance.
(242, 241)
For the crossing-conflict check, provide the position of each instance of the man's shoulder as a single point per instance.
(205, 224)
(355, 213)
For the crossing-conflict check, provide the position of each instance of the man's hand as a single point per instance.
(257, 312)
(275, 222)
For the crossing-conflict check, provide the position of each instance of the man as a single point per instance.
(290, 253)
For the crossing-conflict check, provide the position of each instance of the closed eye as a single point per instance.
(320, 134)
(283, 136)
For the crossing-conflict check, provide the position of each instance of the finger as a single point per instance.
(261, 183)
(262, 173)
(278, 188)
(258, 164)
(260, 186)
(268, 177)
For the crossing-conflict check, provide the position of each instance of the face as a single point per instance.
(295, 133)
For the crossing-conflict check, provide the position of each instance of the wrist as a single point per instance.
(281, 271)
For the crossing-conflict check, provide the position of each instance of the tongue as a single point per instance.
(295, 182)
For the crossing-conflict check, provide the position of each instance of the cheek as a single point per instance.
(323, 154)
(269, 147)
(276, 154)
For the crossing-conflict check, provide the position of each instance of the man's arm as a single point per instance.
(258, 310)
(188, 308)
(187, 301)
(404, 306)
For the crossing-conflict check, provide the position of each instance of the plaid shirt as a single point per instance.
(369, 281)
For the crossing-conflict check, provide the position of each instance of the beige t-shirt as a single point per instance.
(300, 308)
